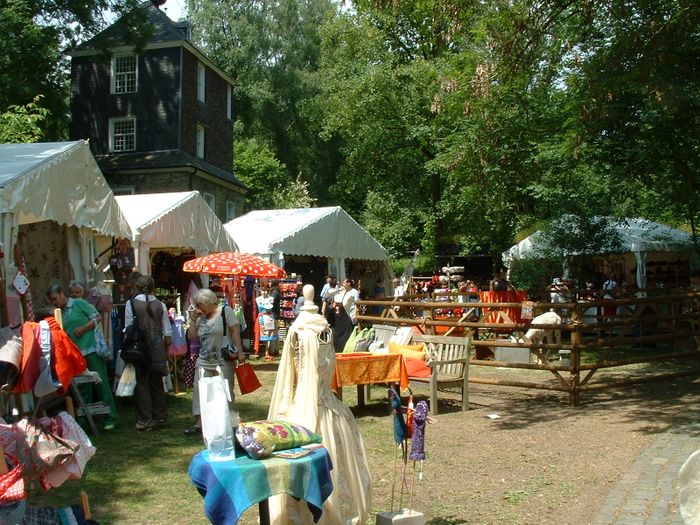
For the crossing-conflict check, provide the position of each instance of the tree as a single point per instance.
(34, 36)
(22, 123)
(271, 48)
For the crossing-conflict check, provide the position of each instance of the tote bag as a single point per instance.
(247, 380)
(217, 425)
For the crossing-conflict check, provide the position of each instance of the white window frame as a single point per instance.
(230, 210)
(201, 141)
(210, 200)
(201, 82)
(115, 85)
(115, 138)
(229, 102)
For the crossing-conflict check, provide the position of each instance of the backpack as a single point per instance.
(134, 347)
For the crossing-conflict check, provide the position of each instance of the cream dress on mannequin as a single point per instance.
(303, 395)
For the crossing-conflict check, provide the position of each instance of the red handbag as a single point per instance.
(247, 380)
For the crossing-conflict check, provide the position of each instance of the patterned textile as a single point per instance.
(12, 484)
(230, 487)
(363, 368)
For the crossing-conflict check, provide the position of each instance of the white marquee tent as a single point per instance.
(173, 220)
(638, 236)
(322, 232)
(60, 182)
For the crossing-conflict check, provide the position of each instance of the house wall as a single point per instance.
(211, 114)
(176, 180)
(155, 104)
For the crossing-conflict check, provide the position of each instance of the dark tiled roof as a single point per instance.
(164, 30)
(162, 160)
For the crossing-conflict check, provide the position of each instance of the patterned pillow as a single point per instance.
(260, 438)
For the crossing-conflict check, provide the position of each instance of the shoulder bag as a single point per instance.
(134, 350)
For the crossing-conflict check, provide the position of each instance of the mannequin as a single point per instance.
(302, 395)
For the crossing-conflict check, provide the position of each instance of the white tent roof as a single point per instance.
(322, 232)
(636, 234)
(180, 219)
(58, 181)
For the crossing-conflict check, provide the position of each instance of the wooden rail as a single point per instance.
(587, 334)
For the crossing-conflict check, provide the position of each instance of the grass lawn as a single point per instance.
(141, 477)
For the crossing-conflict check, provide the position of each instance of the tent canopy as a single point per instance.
(636, 235)
(58, 181)
(321, 232)
(179, 219)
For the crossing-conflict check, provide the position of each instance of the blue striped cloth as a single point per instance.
(229, 487)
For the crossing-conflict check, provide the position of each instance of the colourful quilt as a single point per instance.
(230, 487)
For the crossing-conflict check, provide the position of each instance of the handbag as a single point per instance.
(247, 379)
(217, 424)
(134, 350)
(101, 347)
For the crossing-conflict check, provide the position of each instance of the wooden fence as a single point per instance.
(594, 335)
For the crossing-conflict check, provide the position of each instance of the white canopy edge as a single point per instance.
(637, 235)
(176, 219)
(322, 232)
(58, 181)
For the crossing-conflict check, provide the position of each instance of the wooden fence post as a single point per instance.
(575, 378)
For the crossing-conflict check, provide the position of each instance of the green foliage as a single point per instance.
(22, 123)
(534, 275)
(33, 38)
(294, 195)
(255, 164)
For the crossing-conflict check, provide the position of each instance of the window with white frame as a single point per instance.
(200, 141)
(229, 102)
(124, 74)
(201, 82)
(210, 200)
(122, 134)
(230, 210)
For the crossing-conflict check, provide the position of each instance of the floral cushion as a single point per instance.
(260, 438)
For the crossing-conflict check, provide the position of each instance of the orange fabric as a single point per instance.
(417, 368)
(363, 368)
(408, 351)
(31, 351)
(66, 359)
(508, 296)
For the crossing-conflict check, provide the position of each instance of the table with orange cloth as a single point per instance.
(366, 368)
(508, 296)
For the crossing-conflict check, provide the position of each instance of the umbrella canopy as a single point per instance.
(234, 263)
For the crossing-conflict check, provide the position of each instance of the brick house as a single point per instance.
(159, 119)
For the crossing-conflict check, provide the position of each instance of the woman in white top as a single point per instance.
(207, 325)
(348, 296)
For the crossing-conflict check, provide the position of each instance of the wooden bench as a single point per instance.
(383, 332)
(449, 363)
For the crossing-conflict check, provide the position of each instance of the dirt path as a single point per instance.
(542, 462)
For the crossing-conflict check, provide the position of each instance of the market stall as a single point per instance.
(55, 206)
(651, 254)
(169, 229)
(313, 242)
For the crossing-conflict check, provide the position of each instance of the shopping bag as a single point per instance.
(217, 426)
(127, 382)
(247, 380)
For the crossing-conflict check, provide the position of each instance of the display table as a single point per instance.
(366, 368)
(509, 296)
(229, 487)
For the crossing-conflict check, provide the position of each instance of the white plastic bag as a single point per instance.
(217, 426)
(127, 382)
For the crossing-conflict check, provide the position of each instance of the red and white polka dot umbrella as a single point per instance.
(234, 263)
